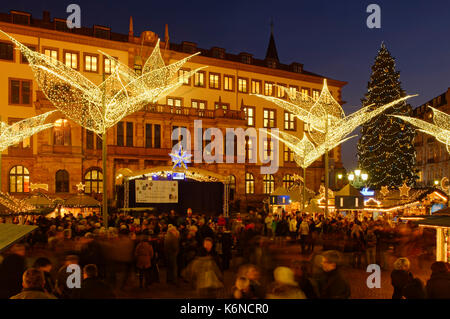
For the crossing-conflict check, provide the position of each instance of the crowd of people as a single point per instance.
(199, 249)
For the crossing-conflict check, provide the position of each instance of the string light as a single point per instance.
(440, 129)
(17, 132)
(99, 107)
(14, 204)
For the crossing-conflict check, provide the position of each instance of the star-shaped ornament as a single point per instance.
(80, 186)
(180, 158)
(384, 190)
(404, 190)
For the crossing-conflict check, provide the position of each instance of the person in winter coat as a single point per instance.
(285, 287)
(304, 233)
(11, 271)
(334, 286)
(33, 286)
(438, 286)
(45, 265)
(144, 254)
(171, 250)
(400, 277)
(92, 287)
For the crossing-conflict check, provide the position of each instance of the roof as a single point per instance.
(393, 198)
(81, 200)
(440, 220)
(10, 233)
(348, 190)
(271, 52)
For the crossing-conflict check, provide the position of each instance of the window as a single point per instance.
(20, 92)
(19, 179)
(120, 134)
(6, 51)
(51, 53)
(183, 75)
(268, 88)
(108, 65)
(249, 149)
(199, 79)
(220, 105)
(23, 58)
(268, 183)
(228, 83)
(288, 181)
(91, 62)
(93, 181)
(175, 102)
(71, 59)
(281, 93)
(232, 183)
(130, 134)
(25, 143)
(288, 155)
(99, 142)
(178, 131)
(152, 138)
(250, 115)
(268, 150)
(61, 132)
(305, 93)
(293, 90)
(62, 181)
(256, 86)
(242, 85)
(316, 94)
(269, 118)
(90, 139)
(200, 105)
(289, 121)
(249, 183)
(214, 80)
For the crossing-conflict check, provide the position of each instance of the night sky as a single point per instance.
(329, 37)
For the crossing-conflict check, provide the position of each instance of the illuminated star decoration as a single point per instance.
(404, 190)
(80, 187)
(317, 113)
(180, 158)
(440, 129)
(384, 190)
(17, 132)
(99, 107)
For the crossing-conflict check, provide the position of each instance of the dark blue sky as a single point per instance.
(329, 37)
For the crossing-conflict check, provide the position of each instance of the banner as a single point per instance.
(156, 191)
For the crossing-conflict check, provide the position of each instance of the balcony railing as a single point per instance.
(138, 151)
(189, 111)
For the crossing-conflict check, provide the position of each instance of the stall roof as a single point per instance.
(81, 200)
(348, 190)
(441, 220)
(10, 233)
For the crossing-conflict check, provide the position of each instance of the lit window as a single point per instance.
(288, 155)
(249, 183)
(90, 63)
(228, 83)
(268, 88)
(71, 60)
(184, 77)
(268, 118)
(316, 94)
(269, 183)
(53, 54)
(289, 121)
(19, 179)
(93, 181)
(199, 79)
(242, 85)
(250, 115)
(61, 132)
(108, 65)
(214, 81)
(288, 181)
(256, 87)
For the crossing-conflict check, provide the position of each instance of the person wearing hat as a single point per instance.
(285, 287)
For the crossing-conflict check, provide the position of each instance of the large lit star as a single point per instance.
(180, 158)
(384, 190)
(404, 190)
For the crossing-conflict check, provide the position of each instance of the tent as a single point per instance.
(81, 200)
(11, 233)
(39, 200)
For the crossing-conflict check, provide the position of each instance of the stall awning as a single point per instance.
(81, 200)
(10, 233)
(441, 221)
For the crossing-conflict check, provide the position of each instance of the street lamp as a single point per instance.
(358, 178)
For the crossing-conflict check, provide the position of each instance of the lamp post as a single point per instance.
(358, 178)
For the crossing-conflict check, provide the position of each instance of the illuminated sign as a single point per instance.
(367, 192)
(179, 176)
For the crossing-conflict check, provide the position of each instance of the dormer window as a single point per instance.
(189, 47)
(21, 17)
(296, 67)
(60, 24)
(271, 63)
(102, 32)
(218, 53)
(246, 58)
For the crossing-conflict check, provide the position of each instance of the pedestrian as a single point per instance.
(92, 286)
(284, 286)
(371, 247)
(45, 265)
(11, 271)
(334, 286)
(438, 286)
(400, 277)
(33, 282)
(304, 233)
(171, 250)
(144, 254)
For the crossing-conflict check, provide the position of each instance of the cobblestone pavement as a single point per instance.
(283, 256)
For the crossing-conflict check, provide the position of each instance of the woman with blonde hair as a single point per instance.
(400, 276)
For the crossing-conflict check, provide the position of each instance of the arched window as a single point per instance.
(288, 181)
(93, 181)
(19, 179)
(61, 132)
(62, 181)
(249, 183)
(269, 183)
(232, 183)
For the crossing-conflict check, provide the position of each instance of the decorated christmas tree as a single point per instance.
(385, 149)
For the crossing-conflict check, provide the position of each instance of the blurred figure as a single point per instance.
(92, 287)
(61, 289)
(45, 265)
(285, 287)
(171, 250)
(253, 274)
(335, 286)
(400, 277)
(303, 275)
(144, 254)
(438, 286)
(11, 271)
(241, 289)
(33, 286)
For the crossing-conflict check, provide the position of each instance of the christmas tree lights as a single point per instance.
(440, 129)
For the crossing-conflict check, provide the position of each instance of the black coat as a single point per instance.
(399, 279)
(438, 286)
(11, 271)
(335, 286)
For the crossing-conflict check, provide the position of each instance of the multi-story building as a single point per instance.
(220, 95)
(433, 160)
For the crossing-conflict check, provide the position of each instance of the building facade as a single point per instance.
(220, 95)
(433, 160)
